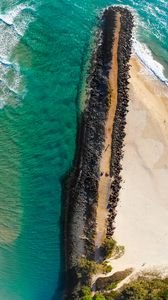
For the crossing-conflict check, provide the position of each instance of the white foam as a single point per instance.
(8, 40)
(13, 24)
(145, 55)
(10, 15)
(22, 21)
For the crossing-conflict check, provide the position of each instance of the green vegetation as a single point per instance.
(110, 282)
(86, 268)
(87, 297)
(118, 251)
(99, 297)
(110, 248)
(149, 286)
(86, 290)
(141, 289)
(86, 293)
(145, 289)
(107, 269)
(107, 247)
(110, 295)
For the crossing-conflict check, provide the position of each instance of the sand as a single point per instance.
(142, 213)
(105, 180)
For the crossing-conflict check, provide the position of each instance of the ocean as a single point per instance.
(44, 50)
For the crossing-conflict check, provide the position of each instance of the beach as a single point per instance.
(142, 213)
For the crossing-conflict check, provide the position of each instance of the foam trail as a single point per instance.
(145, 55)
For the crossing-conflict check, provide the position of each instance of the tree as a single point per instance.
(108, 247)
(87, 267)
(134, 293)
(145, 288)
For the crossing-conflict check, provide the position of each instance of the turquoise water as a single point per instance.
(44, 47)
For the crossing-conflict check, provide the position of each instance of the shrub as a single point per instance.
(106, 283)
(146, 289)
(111, 295)
(86, 268)
(87, 297)
(118, 251)
(108, 247)
(133, 293)
(106, 268)
(120, 275)
(86, 291)
(99, 297)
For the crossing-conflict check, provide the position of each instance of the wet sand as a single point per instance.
(142, 212)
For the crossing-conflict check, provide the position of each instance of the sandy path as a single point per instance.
(105, 180)
(142, 213)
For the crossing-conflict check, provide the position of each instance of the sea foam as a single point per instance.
(13, 24)
(145, 56)
(10, 15)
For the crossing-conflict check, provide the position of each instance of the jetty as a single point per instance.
(92, 190)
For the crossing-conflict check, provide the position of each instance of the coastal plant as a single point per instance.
(99, 297)
(110, 282)
(145, 289)
(86, 268)
(86, 291)
(135, 292)
(108, 247)
(87, 297)
(106, 268)
(118, 251)
(112, 295)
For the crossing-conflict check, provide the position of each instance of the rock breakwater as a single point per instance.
(82, 187)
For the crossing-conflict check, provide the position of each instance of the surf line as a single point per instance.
(94, 183)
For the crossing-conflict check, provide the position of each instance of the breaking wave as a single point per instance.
(13, 24)
(153, 66)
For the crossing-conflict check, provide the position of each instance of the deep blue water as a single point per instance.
(43, 49)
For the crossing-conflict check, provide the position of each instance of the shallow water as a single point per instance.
(44, 48)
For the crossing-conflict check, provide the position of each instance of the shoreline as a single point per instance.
(82, 186)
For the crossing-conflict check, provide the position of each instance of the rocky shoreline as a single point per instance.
(82, 186)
